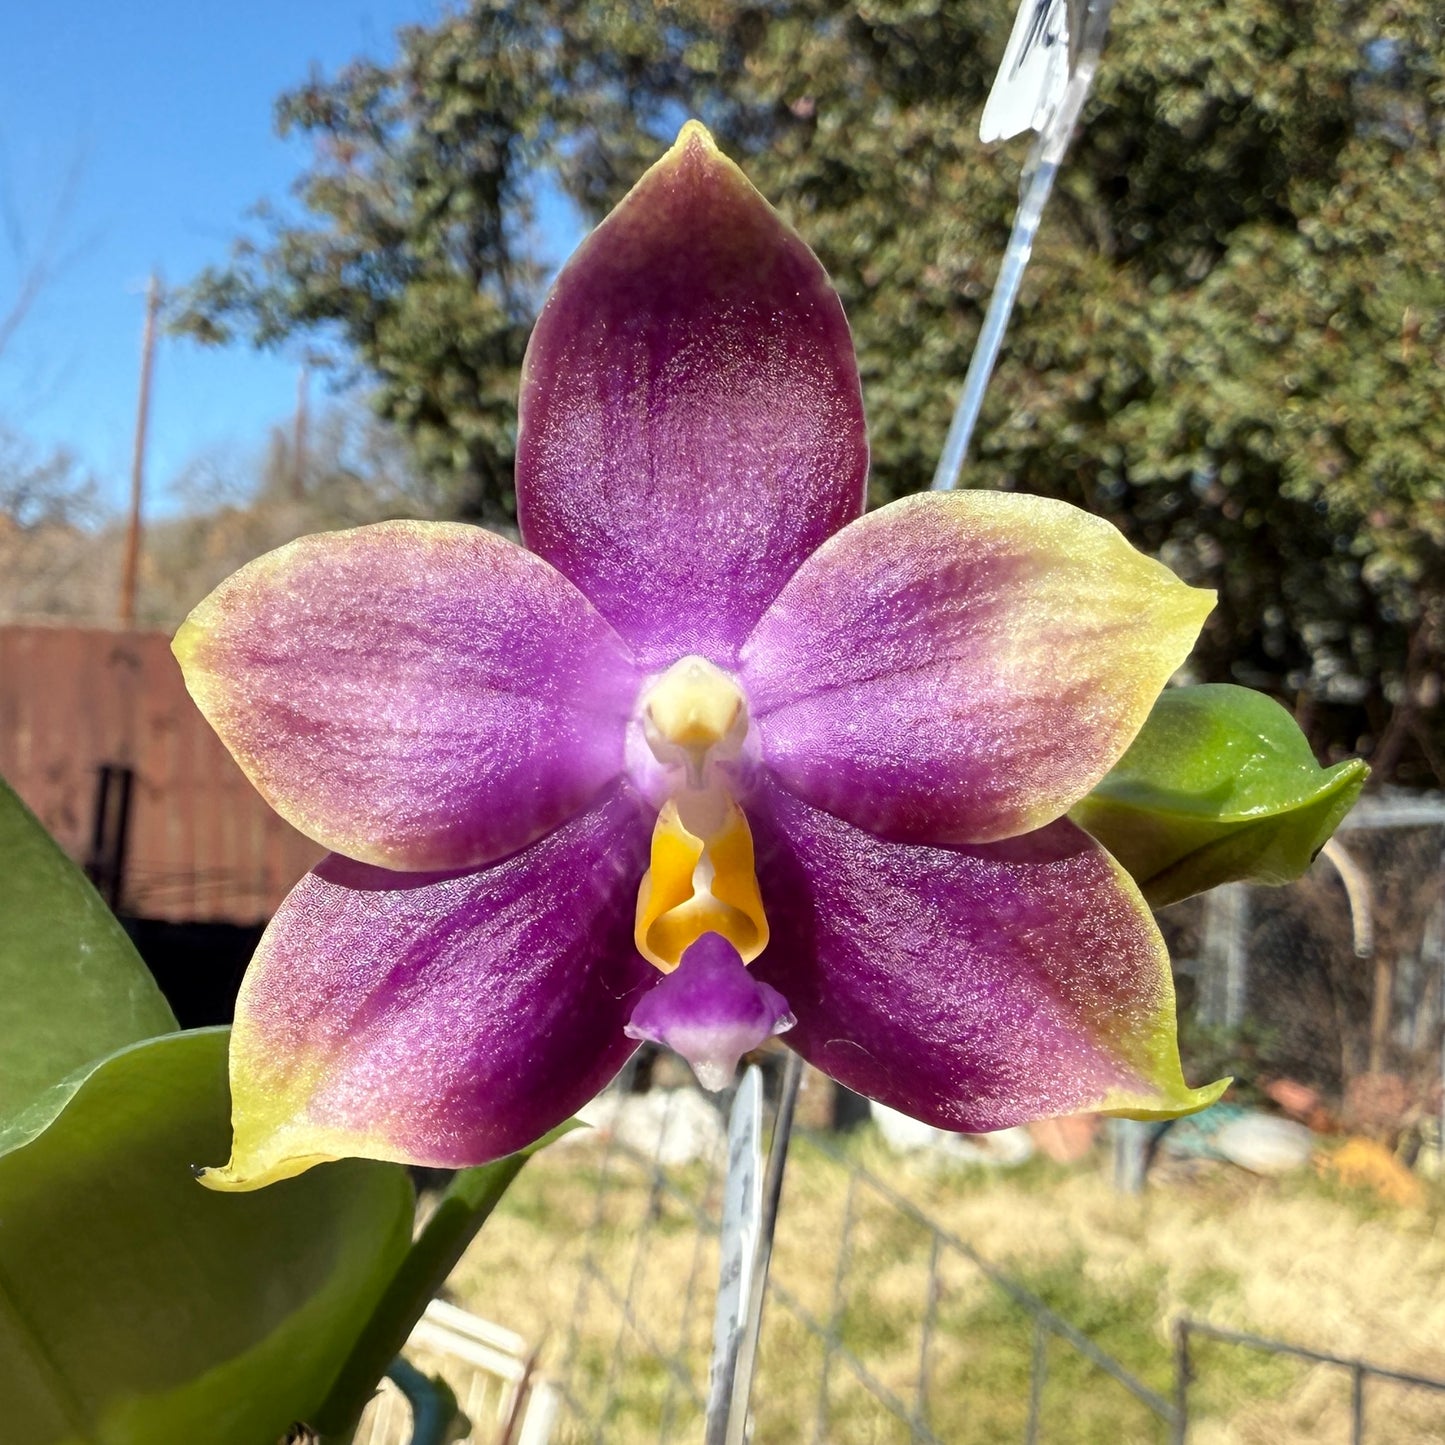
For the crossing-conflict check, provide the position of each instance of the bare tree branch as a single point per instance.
(39, 269)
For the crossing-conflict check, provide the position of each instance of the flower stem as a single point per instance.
(463, 1209)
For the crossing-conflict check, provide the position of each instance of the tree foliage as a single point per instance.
(46, 502)
(1230, 342)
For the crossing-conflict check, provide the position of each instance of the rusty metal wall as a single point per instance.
(203, 846)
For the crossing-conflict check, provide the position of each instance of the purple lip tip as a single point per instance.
(710, 1010)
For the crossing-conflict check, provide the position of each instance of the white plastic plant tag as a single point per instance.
(1033, 74)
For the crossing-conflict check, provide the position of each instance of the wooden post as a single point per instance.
(298, 434)
(131, 565)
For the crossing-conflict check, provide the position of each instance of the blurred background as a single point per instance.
(272, 269)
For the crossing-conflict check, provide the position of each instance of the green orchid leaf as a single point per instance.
(1220, 786)
(137, 1308)
(72, 987)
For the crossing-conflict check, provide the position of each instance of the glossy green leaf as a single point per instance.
(1220, 786)
(137, 1308)
(72, 988)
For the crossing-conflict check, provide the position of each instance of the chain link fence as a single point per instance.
(881, 1326)
(1338, 981)
(1187, 1332)
(869, 1326)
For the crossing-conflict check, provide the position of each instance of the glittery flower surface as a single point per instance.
(712, 756)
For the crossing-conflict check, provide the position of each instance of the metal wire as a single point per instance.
(698, 1196)
(1359, 1370)
(1040, 173)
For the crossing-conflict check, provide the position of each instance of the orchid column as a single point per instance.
(714, 756)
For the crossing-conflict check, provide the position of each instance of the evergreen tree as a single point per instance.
(1230, 342)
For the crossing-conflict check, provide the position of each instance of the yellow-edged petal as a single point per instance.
(964, 667)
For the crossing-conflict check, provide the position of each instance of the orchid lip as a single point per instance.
(702, 879)
(711, 1010)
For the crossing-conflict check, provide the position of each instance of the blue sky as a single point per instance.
(162, 111)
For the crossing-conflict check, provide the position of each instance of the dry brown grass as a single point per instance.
(1295, 1260)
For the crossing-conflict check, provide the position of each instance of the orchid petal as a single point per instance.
(414, 695)
(973, 988)
(441, 1020)
(691, 419)
(964, 667)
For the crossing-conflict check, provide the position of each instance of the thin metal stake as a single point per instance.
(763, 1258)
(1040, 172)
(741, 1228)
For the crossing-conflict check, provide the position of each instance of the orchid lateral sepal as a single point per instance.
(445, 1019)
(972, 987)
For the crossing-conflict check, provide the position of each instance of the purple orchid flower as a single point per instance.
(713, 757)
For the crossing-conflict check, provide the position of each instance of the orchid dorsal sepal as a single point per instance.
(690, 403)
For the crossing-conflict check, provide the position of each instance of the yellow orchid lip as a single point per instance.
(702, 879)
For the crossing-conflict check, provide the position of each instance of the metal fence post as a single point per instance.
(1038, 1373)
(1225, 986)
(1131, 1154)
(1181, 1381)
